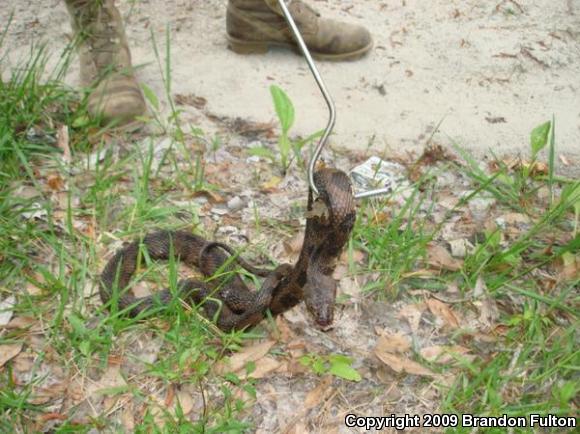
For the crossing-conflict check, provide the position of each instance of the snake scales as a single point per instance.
(330, 219)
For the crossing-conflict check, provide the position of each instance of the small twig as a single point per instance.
(204, 413)
(505, 55)
(514, 359)
(512, 366)
(450, 301)
(526, 52)
(516, 4)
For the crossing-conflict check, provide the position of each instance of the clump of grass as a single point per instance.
(30, 110)
(532, 366)
(117, 199)
(534, 371)
(395, 239)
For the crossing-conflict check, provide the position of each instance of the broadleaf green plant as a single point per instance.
(335, 364)
(284, 108)
(539, 138)
(538, 141)
(286, 116)
(571, 194)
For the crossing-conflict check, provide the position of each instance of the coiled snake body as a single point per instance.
(330, 219)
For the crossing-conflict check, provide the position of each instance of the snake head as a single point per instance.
(319, 297)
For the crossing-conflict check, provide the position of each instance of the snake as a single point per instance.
(222, 293)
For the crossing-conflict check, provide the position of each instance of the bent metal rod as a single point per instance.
(329, 103)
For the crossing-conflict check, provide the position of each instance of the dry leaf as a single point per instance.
(23, 322)
(247, 354)
(297, 428)
(169, 396)
(488, 310)
(6, 310)
(142, 289)
(285, 333)
(444, 354)
(444, 312)
(515, 218)
(47, 417)
(185, 401)
(32, 289)
(419, 274)
(42, 395)
(412, 314)
(243, 394)
(23, 362)
(460, 247)
(389, 344)
(392, 343)
(198, 102)
(157, 408)
(568, 266)
(538, 168)
(350, 287)
(319, 393)
(294, 244)
(296, 368)
(381, 218)
(439, 258)
(356, 255)
(297, 344)
(401, 364)
(212, 196)
(533, 167)
(283, 368)
(263, 368)
(55, 182)
(271, 184)
(111, 379)
(8, 352)
(128, 417)
(340, 272)
(62, 141)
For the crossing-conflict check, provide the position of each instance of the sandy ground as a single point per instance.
(490, 71)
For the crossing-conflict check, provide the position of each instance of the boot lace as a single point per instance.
(300, 6)
(99, 30)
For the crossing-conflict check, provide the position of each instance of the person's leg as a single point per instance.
(254, 25)
(106, 61)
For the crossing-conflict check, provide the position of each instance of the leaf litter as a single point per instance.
(393, 344)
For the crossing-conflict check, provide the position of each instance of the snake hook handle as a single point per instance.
(329, 103)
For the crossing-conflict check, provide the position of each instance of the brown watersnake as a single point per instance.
(329, 222)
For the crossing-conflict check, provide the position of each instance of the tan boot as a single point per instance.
(106, 62)
(254, 25)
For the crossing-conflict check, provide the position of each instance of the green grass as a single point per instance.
(533, 367)
(52, 263)
(394, 239)
(536, 370)
(58, 254)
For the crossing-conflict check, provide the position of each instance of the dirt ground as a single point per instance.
(489, 71)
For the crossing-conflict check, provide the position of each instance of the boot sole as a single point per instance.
(130, 127)
(241, 46)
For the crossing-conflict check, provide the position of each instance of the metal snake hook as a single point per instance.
(329, 103)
